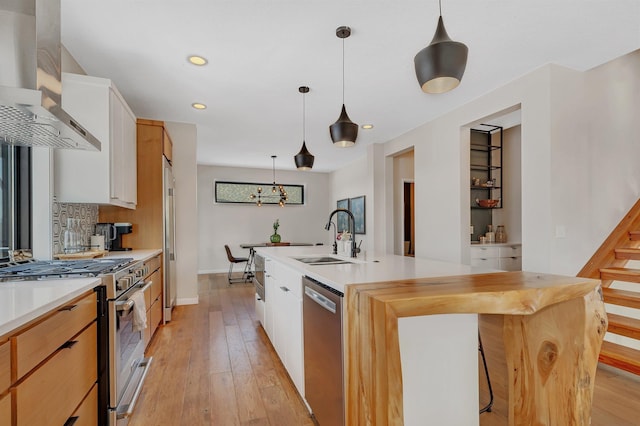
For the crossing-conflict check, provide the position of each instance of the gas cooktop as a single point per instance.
(36, 269)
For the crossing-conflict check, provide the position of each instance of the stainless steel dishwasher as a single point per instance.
(323, 366)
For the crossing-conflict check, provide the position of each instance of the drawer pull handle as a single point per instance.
(71, 421)
(285, 289)
(69, 344)
(67, 308)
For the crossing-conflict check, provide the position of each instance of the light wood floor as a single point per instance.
(214, 365)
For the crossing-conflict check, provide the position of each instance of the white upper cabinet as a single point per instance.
(108, 176)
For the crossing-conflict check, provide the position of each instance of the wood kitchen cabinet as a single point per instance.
(105, 177)
(5, 382)
(148, 219)
(153, 298)
(54, 367)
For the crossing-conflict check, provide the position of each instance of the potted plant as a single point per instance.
(275, 237)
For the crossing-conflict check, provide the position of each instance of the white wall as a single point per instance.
(352, 181)
(577, 153)
(184, 137)
(233, 224)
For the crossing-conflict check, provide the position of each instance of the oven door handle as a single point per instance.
(146, 285)
(123, 307)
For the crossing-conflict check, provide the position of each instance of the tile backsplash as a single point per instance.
(87, 213)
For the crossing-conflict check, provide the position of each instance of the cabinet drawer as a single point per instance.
(492, 263)
(87, 412)
(511, 251)
(59, 385)
(152, 264)
(147, 297)
(5, 367)
(155, 316)
(41, 340)
(484, 252)
(156, 286)
(511, 263)
(5, 410)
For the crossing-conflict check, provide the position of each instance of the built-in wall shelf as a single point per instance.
(485, 165)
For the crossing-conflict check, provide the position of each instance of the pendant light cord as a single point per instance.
(343, 71)
(440, 4)
(273, 157)
(303, 118)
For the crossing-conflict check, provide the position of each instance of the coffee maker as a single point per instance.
(113, 234)
(121, 229)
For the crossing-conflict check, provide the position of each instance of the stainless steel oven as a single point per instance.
(127, 364)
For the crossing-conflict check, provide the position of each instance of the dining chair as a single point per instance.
(246, 276)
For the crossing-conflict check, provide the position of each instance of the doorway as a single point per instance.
(409, 219)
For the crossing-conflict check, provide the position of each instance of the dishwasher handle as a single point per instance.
(320, 299)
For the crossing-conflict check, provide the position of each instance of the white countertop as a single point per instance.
(135, 254)
(367, 268)
(23, 301)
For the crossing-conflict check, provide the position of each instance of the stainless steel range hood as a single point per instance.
(31, 111)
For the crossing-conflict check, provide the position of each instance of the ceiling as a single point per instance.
(260, 52)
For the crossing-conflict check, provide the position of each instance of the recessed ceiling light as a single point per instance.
(197, 60)
(367, 126)
(198, 105)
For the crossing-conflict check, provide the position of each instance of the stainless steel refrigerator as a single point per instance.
(169, 240)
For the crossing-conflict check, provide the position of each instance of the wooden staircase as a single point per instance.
(608, 264)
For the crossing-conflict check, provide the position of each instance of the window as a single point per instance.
(241, 193)
(15, 199)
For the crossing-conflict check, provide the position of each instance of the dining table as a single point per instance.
(252, 247)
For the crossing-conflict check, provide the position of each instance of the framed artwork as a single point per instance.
(342, 218)
(356, 205)
(241, 192)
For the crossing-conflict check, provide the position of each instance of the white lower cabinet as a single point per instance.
(283, 318)
(506, 257)
(259, 309)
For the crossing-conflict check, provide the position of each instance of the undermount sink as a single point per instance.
(321, 260)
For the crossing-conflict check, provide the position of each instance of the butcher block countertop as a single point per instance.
(553, 330)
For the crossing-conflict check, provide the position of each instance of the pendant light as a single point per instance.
(277, 190)
(344, 131)
(304, 159)
(440, 65)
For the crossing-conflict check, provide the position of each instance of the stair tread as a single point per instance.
(620, 356)
(615, 273)
(614, 296)
(627, 253)
(623, 321)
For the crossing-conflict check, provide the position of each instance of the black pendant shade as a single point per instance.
(344, 131)
(440, 65)
(304, 159)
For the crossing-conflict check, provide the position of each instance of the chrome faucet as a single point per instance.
(352, 228)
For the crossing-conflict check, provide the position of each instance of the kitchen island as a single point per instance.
(410, 338)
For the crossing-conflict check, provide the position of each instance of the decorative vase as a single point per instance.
(275, 237)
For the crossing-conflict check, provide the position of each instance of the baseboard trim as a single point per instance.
(213, 271)
(187, 301)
